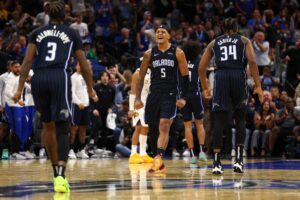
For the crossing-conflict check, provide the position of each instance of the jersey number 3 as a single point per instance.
(228, 51)
(51, 47)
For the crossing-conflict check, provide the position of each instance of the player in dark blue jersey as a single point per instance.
(232, 52)
(164, 60)
(51, 47)
(194, 105)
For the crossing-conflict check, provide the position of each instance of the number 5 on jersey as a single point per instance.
(163, 72)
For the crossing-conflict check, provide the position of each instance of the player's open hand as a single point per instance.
(207, 93)
(138, 104)
(16, 98)
(180, 103)
(260, 93)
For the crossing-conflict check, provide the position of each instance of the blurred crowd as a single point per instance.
(116, 33)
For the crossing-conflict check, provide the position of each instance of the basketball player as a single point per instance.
(194, 105)
(164, 60)
(51, 47)
(138, 121)
(231, 51)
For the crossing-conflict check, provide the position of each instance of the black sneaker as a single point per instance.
(238, 166)
(217, 168)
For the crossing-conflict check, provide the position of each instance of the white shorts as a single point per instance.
(140, 116)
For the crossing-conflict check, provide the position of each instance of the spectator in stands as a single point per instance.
(42, 18)
(292, 56)
(264, 120)
(286, 118)
(141, 38)
(80, 26)
(261, 50)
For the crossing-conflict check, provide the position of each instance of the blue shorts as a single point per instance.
(81, 117)
(160, 105)
(51, 91)
(194, 106)
(230, 90)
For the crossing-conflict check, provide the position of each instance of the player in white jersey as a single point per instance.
(138, 121)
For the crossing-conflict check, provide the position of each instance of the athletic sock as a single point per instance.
(143, 144)
(201, 147)
(133, 149)
(55, 167)
(161, 151)
(192, 152)
(61, 170)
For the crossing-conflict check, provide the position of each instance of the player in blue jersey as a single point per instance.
(51, 47)
(232, 52)
(165, 61)
(194, 106)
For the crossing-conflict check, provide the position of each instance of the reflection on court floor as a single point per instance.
(116, 179)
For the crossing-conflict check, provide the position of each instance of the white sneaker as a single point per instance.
(233, 153)
(186, 153)
(82, 154)
(175, 154)
(17, 156)
(98, 151)
(42, 153)
(72, 154)
(27, 154)
(244, 153)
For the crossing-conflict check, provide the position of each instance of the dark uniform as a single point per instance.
(230, 84)
(161, 101)
(194, 103)
(51, 85)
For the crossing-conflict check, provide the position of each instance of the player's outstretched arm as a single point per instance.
(143, 70)
(204, 62)
(26, 66)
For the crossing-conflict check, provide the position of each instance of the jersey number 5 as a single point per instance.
(51, 51)
(228, 50)
(163, 72)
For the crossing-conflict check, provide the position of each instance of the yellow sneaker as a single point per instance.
(61, 196)
(147, 159)
(135, 159)
(158, 166)
(61, 184)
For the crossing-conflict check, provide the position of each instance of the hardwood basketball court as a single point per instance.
(116, 179)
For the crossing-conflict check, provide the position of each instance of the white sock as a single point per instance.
(133, 149)
(143, 144)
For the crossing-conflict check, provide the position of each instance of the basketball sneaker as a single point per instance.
(233, 153)
(238, 166)
(5, 154)
(147, 159)
(135, 159)
(202, 156)
(82, 155)
(194, 160)
(61, 184)
(72, 155)
(217, 168)
(61, 196)
(158, 166)
(17, 156)
(42, 153)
